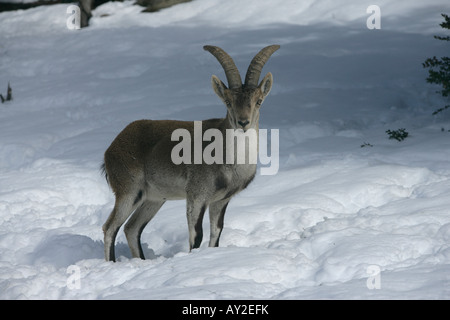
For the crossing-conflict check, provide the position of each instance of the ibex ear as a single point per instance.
(219, 87)
(266, 84)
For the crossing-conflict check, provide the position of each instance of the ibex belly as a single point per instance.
(211, 182)
(227, 180)
(168, 186)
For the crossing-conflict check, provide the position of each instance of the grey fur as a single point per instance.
(142, 175)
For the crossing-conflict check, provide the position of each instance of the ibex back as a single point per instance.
(142, 175)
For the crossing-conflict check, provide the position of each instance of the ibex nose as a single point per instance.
(243, 123)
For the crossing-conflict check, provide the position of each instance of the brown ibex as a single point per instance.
(142, 175)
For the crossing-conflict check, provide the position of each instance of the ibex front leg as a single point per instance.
(216, 215)
(195, 213)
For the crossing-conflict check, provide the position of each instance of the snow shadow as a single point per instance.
(63, 250)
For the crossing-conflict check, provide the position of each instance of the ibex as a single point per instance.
(142, 175)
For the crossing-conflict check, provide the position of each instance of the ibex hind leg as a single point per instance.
(124, 206)
(137, 223)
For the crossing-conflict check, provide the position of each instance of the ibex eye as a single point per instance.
(228, 103)
(258, 103)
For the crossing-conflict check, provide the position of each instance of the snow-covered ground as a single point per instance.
(337, 221)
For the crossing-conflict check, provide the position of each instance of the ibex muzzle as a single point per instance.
(143, 177)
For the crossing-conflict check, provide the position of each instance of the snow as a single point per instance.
(336, 218)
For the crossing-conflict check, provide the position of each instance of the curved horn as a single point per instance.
(231, 71)
(255, 67)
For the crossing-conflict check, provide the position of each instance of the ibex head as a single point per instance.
(243, 100)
